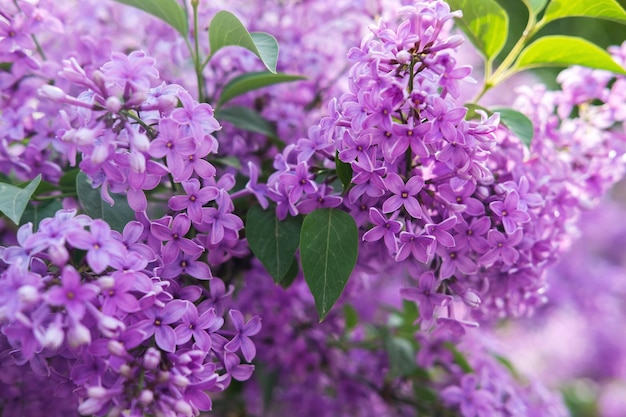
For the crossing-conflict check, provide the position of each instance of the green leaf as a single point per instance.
(291, 275)
(329, 244)
(459, 358)
(227, 30)
(247, 119)
(229, 161)
(253, 81)
(13, 200)
(601, 9)
(344, 171)
(401, 356)
(351, 316)
(68, 180)
(472, 113)
(518, 123)
(535, 6)
(117, 216)
(564, 51)
(272, 241)
(485, 23)
(168, 11)
(34, 213)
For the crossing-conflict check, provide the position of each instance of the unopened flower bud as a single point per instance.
(52, 92)
(97, 392)
(116, 348)
(113, 104)
(151, 358)
(183, 408)
(403, 57)
(28, 294)
(146, 397)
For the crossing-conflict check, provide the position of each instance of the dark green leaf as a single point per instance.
(253, 81)
(13, 200)
(272, 241)
(518, 123)
(601, 9)
(68, 180)
(401, 356)
(34, 213)
(291, 275)
(227, 30)
(344, 171)
(485, 23)
(424, 394)
(247, 119)
(564, 51)
(535, 6)
(329, 244)
(167, 10)
(117, 216)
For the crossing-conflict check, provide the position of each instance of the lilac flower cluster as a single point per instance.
(84, 304)
(459, 204)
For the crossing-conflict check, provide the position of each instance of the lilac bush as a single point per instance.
(196, 224)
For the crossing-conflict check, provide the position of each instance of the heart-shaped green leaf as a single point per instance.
(600, 9)
(273, 242)
(563, 51)
(227, 30)
(167, 10)
(518, 123)
(329, 244)
(13, 200)
(485, 23)
(253, 81)
(117, 216)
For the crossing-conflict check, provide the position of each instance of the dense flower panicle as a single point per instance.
(117, 313)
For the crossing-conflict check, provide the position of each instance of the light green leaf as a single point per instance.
(344, 171)
(472, 111)
(485, 23)
(535, 6)
(117, 216)
(13, 200)
(518, 123)
(227, 30)
(272, 241)
(564, 51)
(329, 244)
(253, 81)
(168, 11)
(601, 9)
(247, 119)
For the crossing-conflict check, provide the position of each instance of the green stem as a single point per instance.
(149, 130)
(507, 66)
(196, 53)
